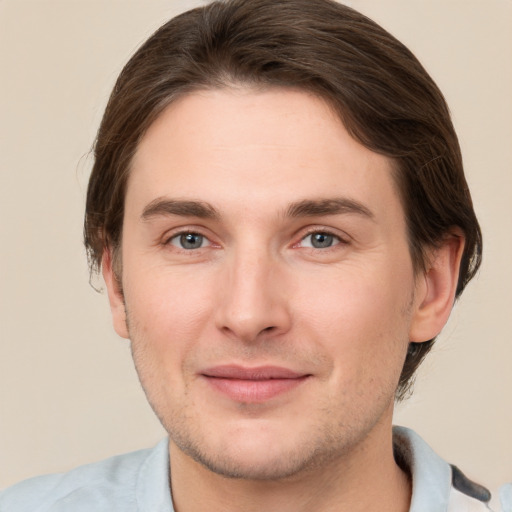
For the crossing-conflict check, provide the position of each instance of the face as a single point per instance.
(269, 289)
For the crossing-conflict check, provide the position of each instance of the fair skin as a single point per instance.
(269, 296)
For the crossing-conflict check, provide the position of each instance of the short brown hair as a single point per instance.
(384, 97)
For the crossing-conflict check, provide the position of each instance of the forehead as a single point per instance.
(273, 146)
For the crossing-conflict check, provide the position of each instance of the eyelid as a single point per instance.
(342, 237)
(171, 234)
(311, 230)
(176, 238)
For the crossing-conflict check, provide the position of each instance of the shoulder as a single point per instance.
(109, 485)
(506, 497)
(462, 502)
(437, 485)
(466, 495)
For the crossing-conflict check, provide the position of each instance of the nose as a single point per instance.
(253, 298)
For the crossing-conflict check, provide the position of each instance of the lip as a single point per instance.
(254, 385)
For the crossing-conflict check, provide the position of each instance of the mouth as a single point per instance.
(253, 385)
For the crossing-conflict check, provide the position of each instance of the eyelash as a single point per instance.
(320, 231)
(179, 236)
(337, 240)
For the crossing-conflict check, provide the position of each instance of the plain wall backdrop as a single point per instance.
(68, 391)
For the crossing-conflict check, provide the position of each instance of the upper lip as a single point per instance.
(254, 373)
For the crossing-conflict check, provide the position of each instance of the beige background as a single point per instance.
(68, 393)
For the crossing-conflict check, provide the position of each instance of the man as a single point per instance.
(279, 211)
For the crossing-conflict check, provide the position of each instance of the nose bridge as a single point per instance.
(252, 299)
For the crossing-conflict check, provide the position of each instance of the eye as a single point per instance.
(320, 240)
(189, 241)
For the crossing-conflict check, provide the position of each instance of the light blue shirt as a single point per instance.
(139, 482)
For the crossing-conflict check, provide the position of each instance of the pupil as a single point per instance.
(320, 240)
(191, 241)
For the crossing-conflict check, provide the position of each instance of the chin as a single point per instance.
(265, 464)
(249, 454)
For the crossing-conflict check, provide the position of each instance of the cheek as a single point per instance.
(166, 300)
(361, 319)
(354, 302)
(166, 320)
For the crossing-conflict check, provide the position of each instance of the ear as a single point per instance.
(435, 289)
(115, 295)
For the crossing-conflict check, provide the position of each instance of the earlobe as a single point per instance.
(435, 291)
(115, 295)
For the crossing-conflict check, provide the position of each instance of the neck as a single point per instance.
(367, 479)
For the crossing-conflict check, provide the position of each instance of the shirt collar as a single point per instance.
(431, 475)
(153, 493)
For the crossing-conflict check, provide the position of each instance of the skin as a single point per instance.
(256, 179)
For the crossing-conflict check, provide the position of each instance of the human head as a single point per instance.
(382, 95)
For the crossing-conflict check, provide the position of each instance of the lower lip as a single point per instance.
(254, 391)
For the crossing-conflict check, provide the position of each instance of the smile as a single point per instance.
(253, 385)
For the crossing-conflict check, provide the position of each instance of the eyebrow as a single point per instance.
(306, 208)
(334, 206)
(164, 206)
